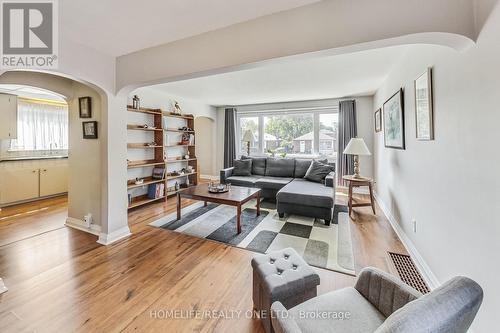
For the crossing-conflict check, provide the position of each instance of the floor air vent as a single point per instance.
(407, 271)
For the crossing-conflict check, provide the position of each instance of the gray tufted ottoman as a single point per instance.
(281, 276)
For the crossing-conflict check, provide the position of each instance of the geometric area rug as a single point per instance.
(322, 246)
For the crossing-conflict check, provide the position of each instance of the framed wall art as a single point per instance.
(424, 106)
(378, 120)
(85, 107)
(89, 129)
(394, 121)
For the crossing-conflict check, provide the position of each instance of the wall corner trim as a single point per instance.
(107, 239)
(3, 287)
(429, 277)
(80, 225)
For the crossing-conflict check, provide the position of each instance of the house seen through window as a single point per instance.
(312, 134)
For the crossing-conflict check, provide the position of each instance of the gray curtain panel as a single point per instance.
(347, 129)
(229, 137)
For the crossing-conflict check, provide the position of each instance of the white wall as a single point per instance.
(206, 146)
(154, 98)
(364, 113)
(84, 182)
(219, 150)
(450, 185)
(365, 119)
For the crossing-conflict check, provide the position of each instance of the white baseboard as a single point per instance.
(422, 266)
(211, 177)
(107, 239)
(3, 288)
(81, 225)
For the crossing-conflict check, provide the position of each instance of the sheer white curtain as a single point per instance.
(41, 127)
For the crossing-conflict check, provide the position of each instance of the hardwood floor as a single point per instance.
(26, 220)
(60, 279)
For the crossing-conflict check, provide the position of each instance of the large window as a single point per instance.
(288, 134)
(311, 133)
(41, 126)
(328, 129)
(249, 135)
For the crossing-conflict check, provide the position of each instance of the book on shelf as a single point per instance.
(156, 191)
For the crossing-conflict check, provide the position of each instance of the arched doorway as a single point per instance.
(78, 159)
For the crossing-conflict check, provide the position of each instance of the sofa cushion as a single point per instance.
(274, 183)
(258, 164)
(248, 181)
(280, 167)
(242, 168)
(303, 192)
(302, 165)
(362, 315)
(318, 171)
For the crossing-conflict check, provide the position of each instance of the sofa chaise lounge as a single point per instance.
(282, 180)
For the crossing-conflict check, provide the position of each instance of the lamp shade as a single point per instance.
(248, 136)
(356, 146)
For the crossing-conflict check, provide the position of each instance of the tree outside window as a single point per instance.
(288, 134)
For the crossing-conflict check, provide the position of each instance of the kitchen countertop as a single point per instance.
(31, 158)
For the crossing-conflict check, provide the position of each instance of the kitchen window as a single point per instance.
(41, 126)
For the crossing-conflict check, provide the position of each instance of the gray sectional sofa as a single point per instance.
(282, 179)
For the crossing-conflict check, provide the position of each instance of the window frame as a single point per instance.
(261, 114)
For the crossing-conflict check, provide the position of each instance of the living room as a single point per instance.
(276, 167)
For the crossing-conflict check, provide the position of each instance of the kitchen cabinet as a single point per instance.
(8, 116)
(30, 180)
(19, 184)
(53, 180)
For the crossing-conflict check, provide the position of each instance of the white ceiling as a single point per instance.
(118, 27)
(354, 74)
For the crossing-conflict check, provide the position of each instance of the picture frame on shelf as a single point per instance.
(424, 107)
(85, 107)
(158, 173)
(378, 120)
(89, 129)
(394, 121)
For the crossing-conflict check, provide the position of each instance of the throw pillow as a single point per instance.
(302, 165)
(318, 171)
(242, 168)
(258, 164)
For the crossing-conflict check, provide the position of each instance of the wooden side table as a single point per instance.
(357, 182)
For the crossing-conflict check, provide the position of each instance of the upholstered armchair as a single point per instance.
(381, 303)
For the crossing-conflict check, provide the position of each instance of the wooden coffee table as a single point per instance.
(237, 197)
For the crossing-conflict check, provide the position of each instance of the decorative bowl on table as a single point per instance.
(218, 188)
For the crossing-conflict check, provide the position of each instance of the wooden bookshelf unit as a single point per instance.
(163, 154)
(173, 159)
